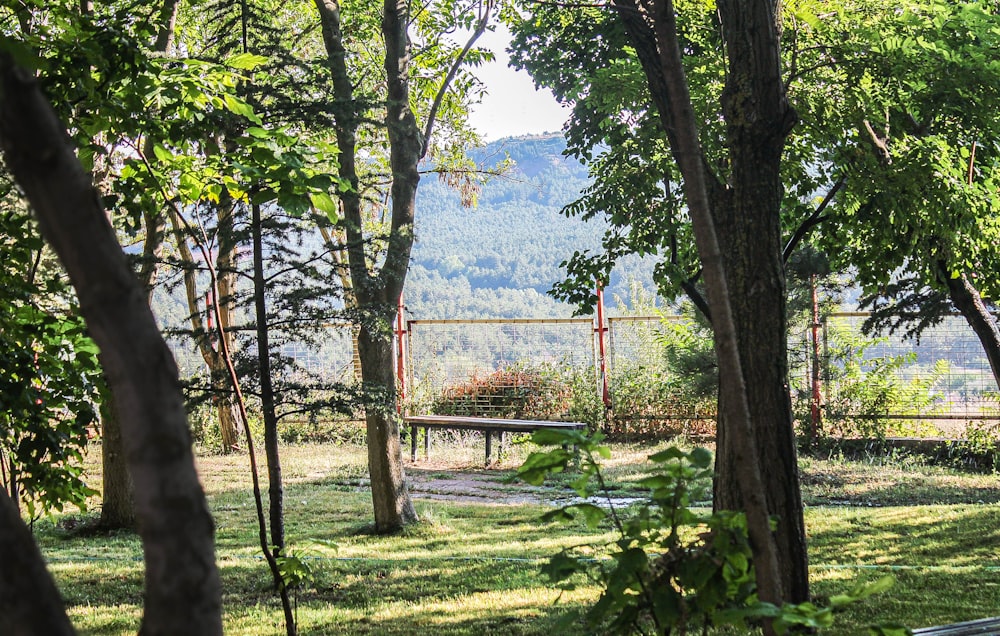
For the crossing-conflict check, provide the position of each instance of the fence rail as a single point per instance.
(943, 381)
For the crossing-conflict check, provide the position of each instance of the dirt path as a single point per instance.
(478, 486)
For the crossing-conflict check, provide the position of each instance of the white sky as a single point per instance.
(512, 106)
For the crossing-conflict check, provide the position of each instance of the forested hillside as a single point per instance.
(501, 257)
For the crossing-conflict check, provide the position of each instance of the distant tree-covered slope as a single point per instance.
(500, 258)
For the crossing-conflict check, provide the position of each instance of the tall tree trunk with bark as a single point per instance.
(373, 297)
(276, 492)
(755, 434)
(30, 604)
(968, 301)
(758, 119)
(117, 509)
(182, 589)
(117, 497)
(377, 289)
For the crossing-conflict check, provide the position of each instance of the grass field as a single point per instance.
(472, 566)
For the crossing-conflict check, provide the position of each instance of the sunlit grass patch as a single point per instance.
(473, 567)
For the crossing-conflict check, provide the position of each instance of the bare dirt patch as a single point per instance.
(477, 486)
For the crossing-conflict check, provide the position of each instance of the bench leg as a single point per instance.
(427, 443)
(489, 447)
(413, 443)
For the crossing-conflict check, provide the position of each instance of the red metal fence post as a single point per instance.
(600, 329)
(814, 406)
(400, 332)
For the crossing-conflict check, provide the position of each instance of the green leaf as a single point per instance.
(701, 457)
(556, 437)
(246, 61)
(863, 591)
(539, 465)
(22, 54)
(666, 455)
(325, 203)
(562, 566)
(240, 107)
(162, 153)
(592, 515)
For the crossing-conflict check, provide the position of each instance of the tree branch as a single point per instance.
(812, 220)
(487, 7)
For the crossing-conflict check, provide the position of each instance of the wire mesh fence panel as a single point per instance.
(940, 382)
(445, 354)
(331, 355)
(649, 395)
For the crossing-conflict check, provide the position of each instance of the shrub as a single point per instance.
(522, 391)
(864, 391)
(673, 391)
(671, 569)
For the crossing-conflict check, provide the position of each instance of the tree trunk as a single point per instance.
(230, 423)
(227, 411)
(375, 294)
(276, 491)
(756, 439)
(30, 604)
(390, 494)
(182, 588)
(117, 505)
(969, 303)
(758, 119)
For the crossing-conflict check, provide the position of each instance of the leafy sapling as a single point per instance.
(671, 567)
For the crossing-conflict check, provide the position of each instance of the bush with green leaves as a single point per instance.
(672, 568)
(49, 374)
(865, 390)
(670, 388)
(525, 391)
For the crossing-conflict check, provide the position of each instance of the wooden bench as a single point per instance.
(969, 628)
(488, 425)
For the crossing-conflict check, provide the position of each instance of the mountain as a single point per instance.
(500, 258)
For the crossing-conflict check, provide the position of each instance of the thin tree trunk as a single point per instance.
(230, 422)
(227, 411)
(969, 303)
(182, 589)
(276, 491)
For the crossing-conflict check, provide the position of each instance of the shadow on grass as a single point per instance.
(939, 536)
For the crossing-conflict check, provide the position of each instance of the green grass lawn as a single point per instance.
(472, 566)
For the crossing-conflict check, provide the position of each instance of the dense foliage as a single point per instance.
(49, 374)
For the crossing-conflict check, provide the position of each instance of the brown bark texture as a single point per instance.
(30, 604)
(969, 302)
(375, 294)
(227, 411)
(182, 589)
(117, 510)
(755, 422)
(117, 497)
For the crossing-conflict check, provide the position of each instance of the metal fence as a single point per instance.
(443, 353)
(943, 379)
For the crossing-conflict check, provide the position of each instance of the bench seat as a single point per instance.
(969, 628)
(488, 425)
